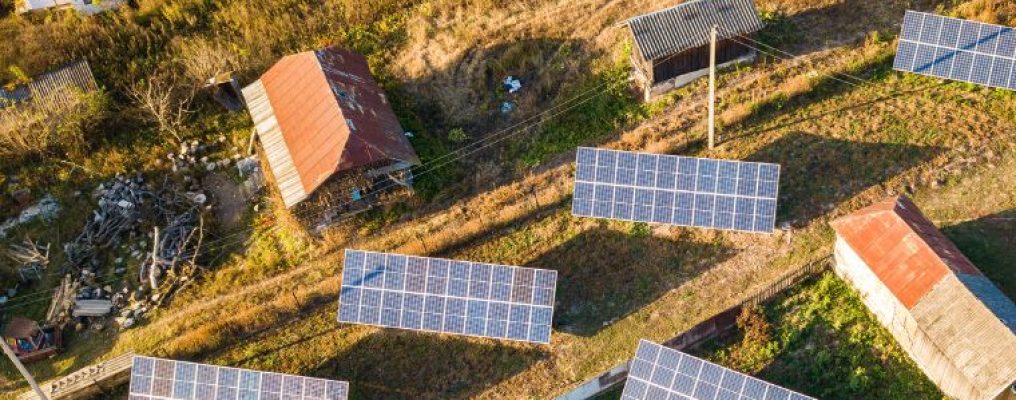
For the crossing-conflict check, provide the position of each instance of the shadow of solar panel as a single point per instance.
(956, 49)
(675, 190)
(447, 296)
(659, 372)
(162, 379)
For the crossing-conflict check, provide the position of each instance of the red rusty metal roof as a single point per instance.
(332, 115)
(902, 247)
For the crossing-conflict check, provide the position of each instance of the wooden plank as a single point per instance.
(87, 381)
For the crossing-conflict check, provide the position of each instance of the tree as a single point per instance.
(164, 102)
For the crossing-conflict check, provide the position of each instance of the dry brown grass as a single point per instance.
(523, 221)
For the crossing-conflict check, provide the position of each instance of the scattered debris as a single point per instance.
(250, 171)
(92, 308)
(45, 209)
(507, 107)
(30, 341)
(126, 207)
(512, 84)
(33, 257)
(226, 90)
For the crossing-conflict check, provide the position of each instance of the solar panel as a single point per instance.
(161, 379)
(447, 296)
(657, 372)
(676, 190)
(957, 49)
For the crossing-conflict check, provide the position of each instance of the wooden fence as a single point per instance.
(88, 381)
(703, 331)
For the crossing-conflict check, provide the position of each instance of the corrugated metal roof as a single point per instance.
(279, 159)
(902, 247)
(52, 88)
(687, 25)
(323, 113)
(966, 316)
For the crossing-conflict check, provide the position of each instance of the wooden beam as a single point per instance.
(21, 368)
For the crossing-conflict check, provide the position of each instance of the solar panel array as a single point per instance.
(447, 296)
(676, 190)
(957, 49)
(659, 372)
(161, 379)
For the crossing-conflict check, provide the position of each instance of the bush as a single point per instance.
(64, 130)
(457, 135)
(757, 348)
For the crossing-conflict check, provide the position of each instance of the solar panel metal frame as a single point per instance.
(957, 49)
(163, 379)
(435, 300)
(659, 372)
(675, 190)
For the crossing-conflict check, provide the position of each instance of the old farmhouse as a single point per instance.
(951, 320)
(320, 117)
(672, 45)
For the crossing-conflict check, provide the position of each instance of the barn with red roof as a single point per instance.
(319, 114)
(952, 321)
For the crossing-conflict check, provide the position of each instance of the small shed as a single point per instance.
(320, 116)
(51, 89)
(950, 319)
(50, 94)
(672, 45)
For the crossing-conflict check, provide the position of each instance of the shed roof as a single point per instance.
(687, 25)
(320, 112)
(902, 247)
(966, 316)
(52, 88)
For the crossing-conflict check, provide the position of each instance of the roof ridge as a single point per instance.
(681, 4)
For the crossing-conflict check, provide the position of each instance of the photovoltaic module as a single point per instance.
(447, 296)
(676, 190)
(162, 379)
(957, 49)
(659, 372)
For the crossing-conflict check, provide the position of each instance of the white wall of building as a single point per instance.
(892, 314)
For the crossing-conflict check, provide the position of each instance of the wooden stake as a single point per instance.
(712, 86)
(21, 368)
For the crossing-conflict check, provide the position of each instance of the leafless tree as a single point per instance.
(164, 101)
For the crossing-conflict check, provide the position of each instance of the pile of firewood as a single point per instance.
(126, 208)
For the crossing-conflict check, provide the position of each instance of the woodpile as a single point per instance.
(160, 226)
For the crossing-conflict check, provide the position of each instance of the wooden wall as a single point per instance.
(694, 60)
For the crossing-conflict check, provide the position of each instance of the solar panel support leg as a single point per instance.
(21, 368)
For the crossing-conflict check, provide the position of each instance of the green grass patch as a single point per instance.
(608, 107)
(821, 340)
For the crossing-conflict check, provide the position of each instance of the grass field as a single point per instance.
(271, 303)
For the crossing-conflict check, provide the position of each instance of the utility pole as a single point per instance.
(712, 86)
(21, 368)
